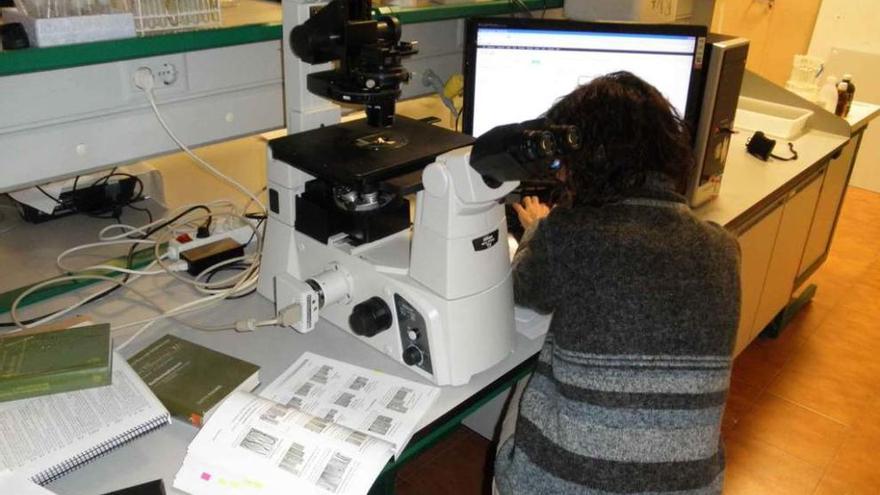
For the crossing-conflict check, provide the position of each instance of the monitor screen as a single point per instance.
(515, 69)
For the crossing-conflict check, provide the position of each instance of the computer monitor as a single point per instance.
(515, 69)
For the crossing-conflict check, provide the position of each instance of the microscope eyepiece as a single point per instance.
(523, 151)
(535, 144)
(568, 138)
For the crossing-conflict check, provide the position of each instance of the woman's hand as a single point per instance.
(530, 211)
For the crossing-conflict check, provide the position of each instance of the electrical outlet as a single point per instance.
(169, 75)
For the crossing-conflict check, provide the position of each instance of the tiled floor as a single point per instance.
(803, 416)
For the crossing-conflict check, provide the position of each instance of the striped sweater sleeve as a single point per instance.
(532, 282)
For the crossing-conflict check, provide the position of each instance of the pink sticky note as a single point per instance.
(206, 476)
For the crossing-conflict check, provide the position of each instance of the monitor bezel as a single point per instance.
(695, 91)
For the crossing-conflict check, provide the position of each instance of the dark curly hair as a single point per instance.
(630, 131)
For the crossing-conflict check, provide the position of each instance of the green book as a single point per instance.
(191, 379)
(42, 362)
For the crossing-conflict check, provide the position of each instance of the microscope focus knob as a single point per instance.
(413, 356)
(370, 317)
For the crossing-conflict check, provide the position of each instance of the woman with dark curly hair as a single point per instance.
(631, 382)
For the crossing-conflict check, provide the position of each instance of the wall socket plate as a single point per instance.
(169, 75)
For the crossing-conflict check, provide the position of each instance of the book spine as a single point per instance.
(179, 408)
(102, 448)
(24, 388)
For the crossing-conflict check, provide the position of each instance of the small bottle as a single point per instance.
(842, 99)
(828, 94)
(850, 93)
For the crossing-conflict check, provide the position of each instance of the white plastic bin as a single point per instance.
(67, 30)
(781, 121)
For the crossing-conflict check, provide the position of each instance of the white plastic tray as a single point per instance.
(773, 119)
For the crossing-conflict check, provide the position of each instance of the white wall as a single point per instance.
(848, 24)
(847, 37)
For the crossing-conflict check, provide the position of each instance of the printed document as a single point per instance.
(323, 427)
(381, 405)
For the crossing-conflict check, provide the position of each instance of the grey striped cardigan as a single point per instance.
(630, 386)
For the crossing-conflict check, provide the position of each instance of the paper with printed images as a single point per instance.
(371, 402)
(252, 445)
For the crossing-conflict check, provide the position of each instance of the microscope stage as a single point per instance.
(354, 153)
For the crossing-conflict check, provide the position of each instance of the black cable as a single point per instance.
(794, 154)
(144, 210)
(116, 207)
(260, 218)
(232, 266)
(225, 268)
(53, 198)
(106, 177)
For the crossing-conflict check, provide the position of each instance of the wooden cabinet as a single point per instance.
(827, 208)
(772, 247)
(756, 247)
(778, 30)
(797, 216)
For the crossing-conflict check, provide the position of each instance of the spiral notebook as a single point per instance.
(49, 436)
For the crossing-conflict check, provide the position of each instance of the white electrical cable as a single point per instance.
(129, 230)
(149, 322)
(96, 244)
(171, 313)
(242, 282)
(249, 203)
(13, 309)
(228, 280)
(148, 91)
(111, 268)
(192, 306)
(138, 273)
(247, 280)
(210, 287)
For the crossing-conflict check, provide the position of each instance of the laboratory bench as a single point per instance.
(783, 214)
(33, 247)
(70, 110)
(160, 453)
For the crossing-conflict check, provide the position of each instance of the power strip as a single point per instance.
(240, 235)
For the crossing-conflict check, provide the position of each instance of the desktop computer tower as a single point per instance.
(724, 70)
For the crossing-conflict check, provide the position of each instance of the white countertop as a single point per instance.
(861, 113)
(749, 183)
(160, 453)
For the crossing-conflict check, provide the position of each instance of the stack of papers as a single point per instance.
(323, 427)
